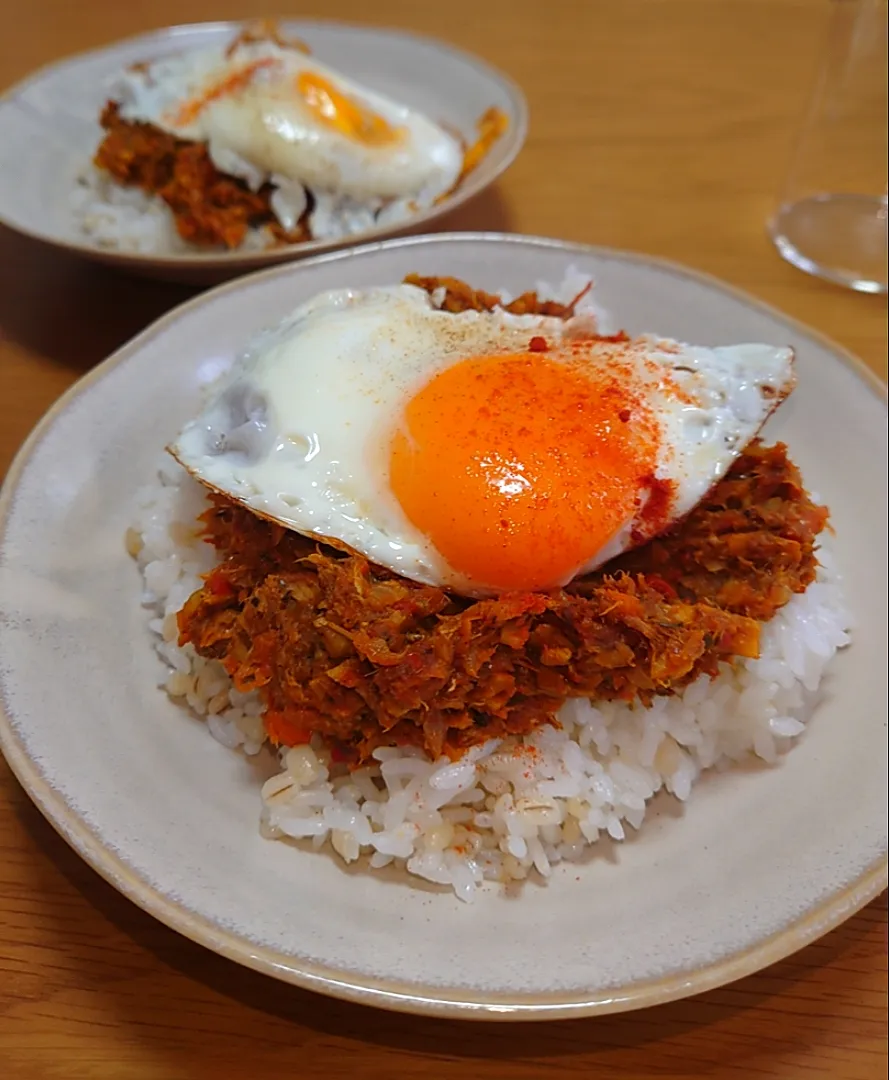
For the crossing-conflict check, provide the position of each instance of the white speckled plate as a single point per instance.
(760, 862)
(49, 130)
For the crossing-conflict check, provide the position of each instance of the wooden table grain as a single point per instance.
(658, 125)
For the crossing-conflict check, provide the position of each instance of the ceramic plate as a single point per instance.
(49, 130)
(760, 861)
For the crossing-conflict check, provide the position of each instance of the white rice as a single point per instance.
(116, 217)
(508, 808)
(120, 218)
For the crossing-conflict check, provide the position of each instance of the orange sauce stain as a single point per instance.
(231, 84)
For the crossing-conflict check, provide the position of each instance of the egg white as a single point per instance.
(300, 430)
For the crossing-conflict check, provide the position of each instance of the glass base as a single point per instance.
(841, 238)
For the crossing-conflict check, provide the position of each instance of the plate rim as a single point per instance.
(247, 260)
(813, 923)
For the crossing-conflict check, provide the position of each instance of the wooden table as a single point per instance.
(657, 125)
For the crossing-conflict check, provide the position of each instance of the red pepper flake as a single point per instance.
(657, 512)
(284, 732)
(663, 587)
(219, 585)
(624, 416)
(538, 344)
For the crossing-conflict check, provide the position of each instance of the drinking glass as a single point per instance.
(832, 215)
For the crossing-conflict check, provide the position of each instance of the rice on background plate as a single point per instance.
(509, 808)
(118, 217)
(115, 217)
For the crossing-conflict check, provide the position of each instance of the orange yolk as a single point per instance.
(343, 113)
(520, 468)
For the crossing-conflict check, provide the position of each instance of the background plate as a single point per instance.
(49, 130)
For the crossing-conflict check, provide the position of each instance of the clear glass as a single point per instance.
(832, 216)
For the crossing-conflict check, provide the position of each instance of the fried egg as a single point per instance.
(482, 452)
(272, 112)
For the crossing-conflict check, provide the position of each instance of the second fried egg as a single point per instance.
(267, 110)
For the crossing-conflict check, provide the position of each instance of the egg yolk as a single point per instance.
(343, 113)
(520, 468)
